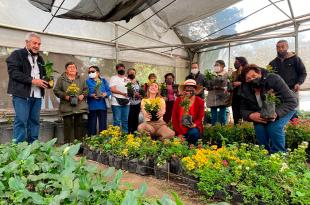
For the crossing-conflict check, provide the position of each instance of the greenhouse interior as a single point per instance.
(124, 153)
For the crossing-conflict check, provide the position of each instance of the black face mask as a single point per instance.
(282, 54)
(32, 53)
(256, 83)
(121, 72)
(237, 65)
(131, 76)
(190, 93)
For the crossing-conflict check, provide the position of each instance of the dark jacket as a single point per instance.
(19, 70)
(269, 81)
(291, 69)
(62, 84)
(200, 80)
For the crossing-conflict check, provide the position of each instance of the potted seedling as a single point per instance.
(163, 90)
(130, 90)
(49, 70)
(73, 91)
(268, 110)
(152, 107)
(186, 118)
(209, 79)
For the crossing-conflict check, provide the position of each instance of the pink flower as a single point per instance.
(225, 163)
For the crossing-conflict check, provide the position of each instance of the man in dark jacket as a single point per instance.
(253, 96)
(25, 68)
(289, 66)
(198, 77)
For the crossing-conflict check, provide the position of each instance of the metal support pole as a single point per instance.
(296, 27)
(116, 44)
(229, 67)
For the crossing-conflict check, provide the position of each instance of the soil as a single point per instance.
(158, 188)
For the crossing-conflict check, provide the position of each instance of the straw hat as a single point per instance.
(191, 82)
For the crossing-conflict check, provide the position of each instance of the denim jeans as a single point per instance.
(27, 119)
(93, 115)
(273, 133)
(120, 116)
(220, 116)
(192, 136)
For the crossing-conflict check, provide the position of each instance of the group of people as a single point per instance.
(182, 106)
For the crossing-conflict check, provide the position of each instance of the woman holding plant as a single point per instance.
(153, 108)
(72, 90)
(98, 92)
(188, 112)
(267, 101)
(171, 93)
(218, 98)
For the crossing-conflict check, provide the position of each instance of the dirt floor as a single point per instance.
(158, 188)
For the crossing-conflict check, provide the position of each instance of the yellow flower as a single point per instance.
(214, 147)
(188, 163)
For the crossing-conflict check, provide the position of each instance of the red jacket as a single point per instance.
(196, 111)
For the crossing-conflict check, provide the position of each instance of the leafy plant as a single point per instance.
(73, 90)
(209, 74)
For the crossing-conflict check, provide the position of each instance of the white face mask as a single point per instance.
(217, 69)
(195, 71)
(92, 75)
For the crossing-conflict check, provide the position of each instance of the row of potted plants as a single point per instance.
(41, 173)
(223, 173)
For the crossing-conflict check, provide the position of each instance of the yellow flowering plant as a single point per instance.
(152, 106)
(73, 90)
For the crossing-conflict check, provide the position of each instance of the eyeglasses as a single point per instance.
(92, 71)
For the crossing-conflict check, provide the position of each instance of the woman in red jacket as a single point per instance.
(188, 112)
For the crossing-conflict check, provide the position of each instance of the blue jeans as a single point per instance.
(273, 133)
(93, 115)
(192, 136)
(120, 116)
(220, 116)
(27, 119)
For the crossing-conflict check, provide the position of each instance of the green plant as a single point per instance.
(185, 104)
(209, 74)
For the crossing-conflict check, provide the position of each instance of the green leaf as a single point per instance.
(177, 199)
(25, 153)
(131, 198)
(37, 198)
(74, 149)
(143, 188)
(16, 184)
(2, 188)
(109, 172)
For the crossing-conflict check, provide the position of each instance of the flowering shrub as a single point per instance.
(73, 90)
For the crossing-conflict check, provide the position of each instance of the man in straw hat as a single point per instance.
(188, 112)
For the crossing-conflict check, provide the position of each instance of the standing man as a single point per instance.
(198, 77)
(289, 66)
(25, 68)
(120, 101)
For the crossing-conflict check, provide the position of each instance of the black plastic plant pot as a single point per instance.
(118, 162)
(130, 93)
(187, 120)
(98, 93)
(132, 165)
(95, 155)
(73, 100)
(268, 110)
(125, 163)
(219, 195)
(164, 93)
(111, 160)
(50, 81)
(175, 166)
(143, 167)
(154, 116)
(161, 171)
(190, 181)
(210, 85)
(103, 158)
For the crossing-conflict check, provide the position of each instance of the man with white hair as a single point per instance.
(26, 71)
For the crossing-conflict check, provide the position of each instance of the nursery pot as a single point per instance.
(95, 155)
(6, 131)
(154, 116)
(103, 158)
(111, 160)
(143, 167)
(132, 165)
(164, 93)
(130, 93)
(175, 166)
(118, 162)
(161, 171)
(187, 120)
(125, 163)
(47, 131)
(74, 100)
(50, 81)
(268, 110)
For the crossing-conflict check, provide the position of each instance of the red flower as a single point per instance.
(295, 121)
(225, 163)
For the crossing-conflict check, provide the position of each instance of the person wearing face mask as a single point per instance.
(191, 133)
(120, 100)
(218, 98)
(26, 71)
(289, 66)
(72, 114)
(198, 77)
(135, 102)
(240, 63)
(269, 132)
(97, 104)
(171, 95)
